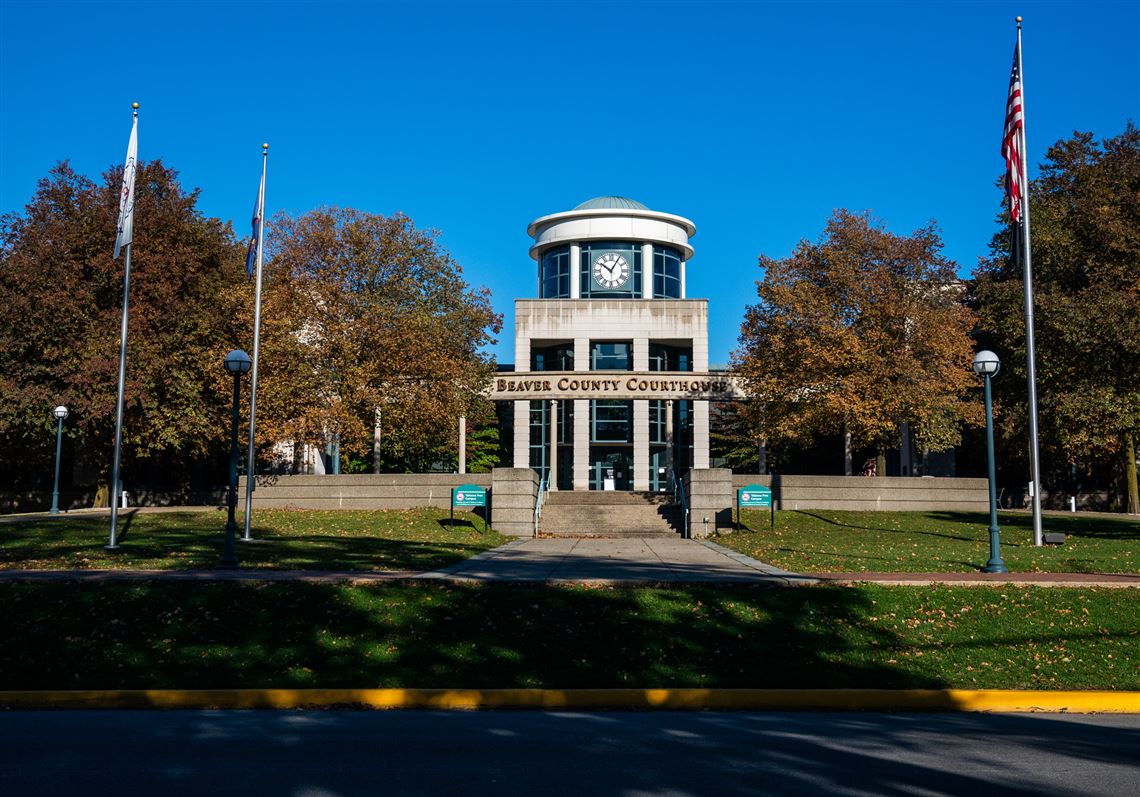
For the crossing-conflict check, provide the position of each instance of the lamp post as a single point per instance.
(237, 363)
(986, 364)
(60, 413)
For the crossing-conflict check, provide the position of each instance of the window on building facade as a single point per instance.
(613, 356)
(666, 273)
(559, 357)
(610, 421)
(670, 358)
(556, 273)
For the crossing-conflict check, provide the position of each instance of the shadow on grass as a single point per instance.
(506, 635)
(194, 540)
(1077, 525)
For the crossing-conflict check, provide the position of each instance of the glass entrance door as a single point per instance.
(611, 468)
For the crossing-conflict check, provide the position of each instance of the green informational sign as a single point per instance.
(468, 495)
(752, 495)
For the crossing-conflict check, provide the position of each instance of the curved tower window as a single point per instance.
(666, 273)
(556, 273)
(611, 270)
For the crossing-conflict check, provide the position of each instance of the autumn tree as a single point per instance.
(367, 318)
(62, 297)
(1085, 223)
(860, 331)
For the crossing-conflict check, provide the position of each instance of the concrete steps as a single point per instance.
(609, 514)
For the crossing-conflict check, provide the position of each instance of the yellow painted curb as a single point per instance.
(1077, 702)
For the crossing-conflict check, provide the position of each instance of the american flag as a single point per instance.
(1012, 141)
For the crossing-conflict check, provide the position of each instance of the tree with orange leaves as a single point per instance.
(860, 331)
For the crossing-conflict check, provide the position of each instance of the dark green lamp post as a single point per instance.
(60, 413)
(986, 364)
(237, 363)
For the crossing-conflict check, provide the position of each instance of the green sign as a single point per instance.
(754, 495)
(468, 495)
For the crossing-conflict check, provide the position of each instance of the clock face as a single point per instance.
(611, 270)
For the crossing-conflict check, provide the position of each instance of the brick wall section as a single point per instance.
(866, 493)
(708, 492)
(513, 491)
(359, 490)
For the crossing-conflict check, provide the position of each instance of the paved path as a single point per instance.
(609, 561)
(602, 754)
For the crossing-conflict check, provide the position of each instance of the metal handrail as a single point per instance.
(543, 488)
(679, 493)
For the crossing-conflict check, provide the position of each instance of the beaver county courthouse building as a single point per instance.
(610, 386)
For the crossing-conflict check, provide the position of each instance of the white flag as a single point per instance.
(127, 198)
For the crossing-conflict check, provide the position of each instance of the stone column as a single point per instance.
(647, 271)
(641, 417)
(669, 441)
(575, 277)
(581, 419)
(553, 444)
(522, 434)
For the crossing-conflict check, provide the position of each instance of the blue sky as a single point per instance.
(755, 120)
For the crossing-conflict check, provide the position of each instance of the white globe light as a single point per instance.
(238, 362)
(986, 363)
(60, 412)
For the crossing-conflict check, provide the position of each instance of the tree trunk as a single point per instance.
(1130, 473)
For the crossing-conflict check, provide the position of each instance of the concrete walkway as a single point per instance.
(649, 560)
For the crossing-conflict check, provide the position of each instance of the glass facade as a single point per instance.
(666, 273)
(617, 356)
(589, 277)
(559, 357)
(556, 273)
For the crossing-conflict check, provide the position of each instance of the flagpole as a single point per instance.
(113, 544)
(1027, 263)
(249, 469)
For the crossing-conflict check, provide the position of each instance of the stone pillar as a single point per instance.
(683, 288)
(709, 496)
(553, 444)
(700, 434)
(669, 441)
(646, 272)
(513, 492)
(522, 434)
(575, 277)
(641, 414)
(581, 419)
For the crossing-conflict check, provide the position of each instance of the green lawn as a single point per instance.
(413, 539)
(817, 541)
(291, 635)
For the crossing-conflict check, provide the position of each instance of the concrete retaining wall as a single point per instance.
(359, 490)
(871, 493)
(513, 491)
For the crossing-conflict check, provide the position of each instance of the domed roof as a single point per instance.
(611, 203)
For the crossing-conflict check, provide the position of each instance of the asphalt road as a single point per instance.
(350, 753)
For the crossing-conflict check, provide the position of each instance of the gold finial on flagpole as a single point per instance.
(135, 105)
(264, 149)
(1019, 22)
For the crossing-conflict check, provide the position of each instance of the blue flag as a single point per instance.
(255, 238)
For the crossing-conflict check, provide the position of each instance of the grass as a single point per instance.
(294, 635)
(413, 539)
(822, 540)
